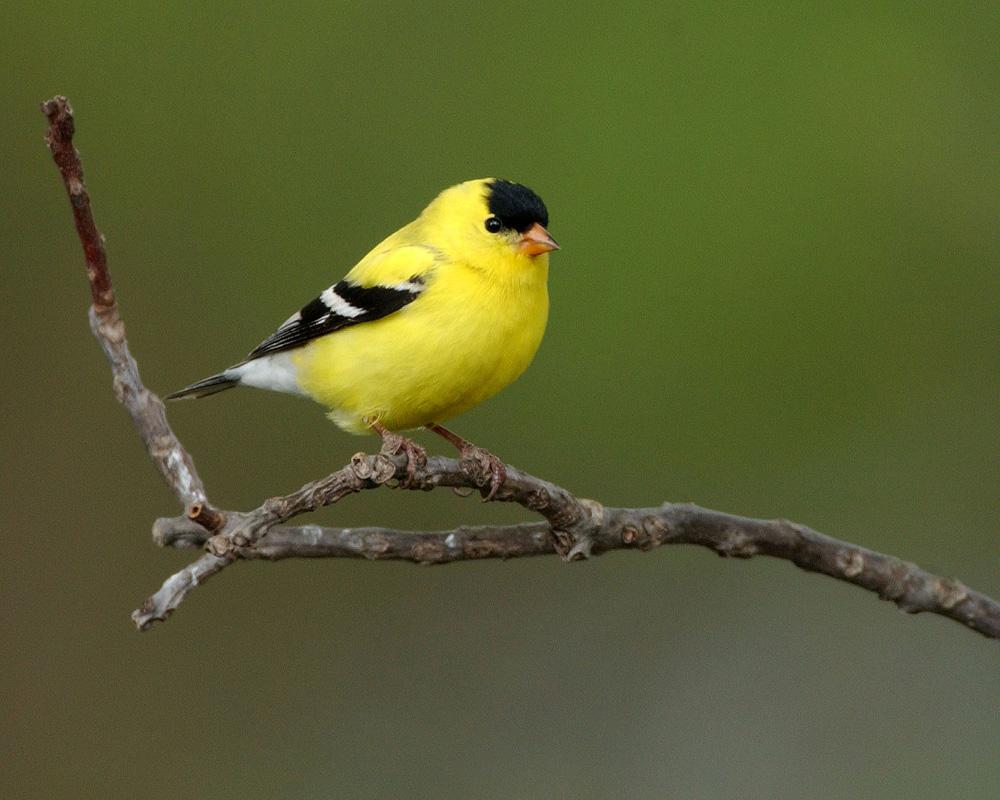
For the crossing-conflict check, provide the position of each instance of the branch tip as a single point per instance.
(207, 517)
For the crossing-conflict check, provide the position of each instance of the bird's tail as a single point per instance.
(203, 388)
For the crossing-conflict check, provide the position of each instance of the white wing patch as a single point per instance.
(338, 305)
(413, 287)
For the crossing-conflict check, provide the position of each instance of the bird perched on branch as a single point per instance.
(438, 317)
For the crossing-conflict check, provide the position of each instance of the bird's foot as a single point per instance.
(484, 468)
(394, 444)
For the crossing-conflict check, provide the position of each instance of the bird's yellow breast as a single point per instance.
(471, 332)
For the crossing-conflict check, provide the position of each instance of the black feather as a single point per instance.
(517, 206)
(205, 387)
(317, 319)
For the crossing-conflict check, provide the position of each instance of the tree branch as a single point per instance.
(145, 408)
(574, 527)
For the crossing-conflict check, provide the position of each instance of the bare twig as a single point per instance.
(145, 408)
(574, 527)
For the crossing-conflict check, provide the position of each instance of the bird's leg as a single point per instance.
(394, 443)
(489, 465)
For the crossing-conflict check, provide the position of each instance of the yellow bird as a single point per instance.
(438, 317)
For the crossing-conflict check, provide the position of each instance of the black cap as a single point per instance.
(517, 206)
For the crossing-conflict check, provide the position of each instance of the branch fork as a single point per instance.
(573, 527)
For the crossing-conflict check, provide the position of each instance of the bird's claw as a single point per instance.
(416, 456)
(484, 468)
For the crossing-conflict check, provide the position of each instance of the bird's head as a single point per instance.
(492, 220)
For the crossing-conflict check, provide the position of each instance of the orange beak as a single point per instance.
(536, 240)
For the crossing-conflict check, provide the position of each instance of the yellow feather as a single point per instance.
(473, 330)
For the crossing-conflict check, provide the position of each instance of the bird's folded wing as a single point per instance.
(381, 284)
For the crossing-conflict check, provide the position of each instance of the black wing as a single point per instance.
(340, 306)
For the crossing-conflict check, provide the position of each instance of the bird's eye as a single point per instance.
(493, 224)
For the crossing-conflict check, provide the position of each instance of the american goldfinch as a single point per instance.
(438, 317)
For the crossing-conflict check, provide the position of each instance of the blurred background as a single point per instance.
(777, 296)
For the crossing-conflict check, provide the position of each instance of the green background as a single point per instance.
(777, 295)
